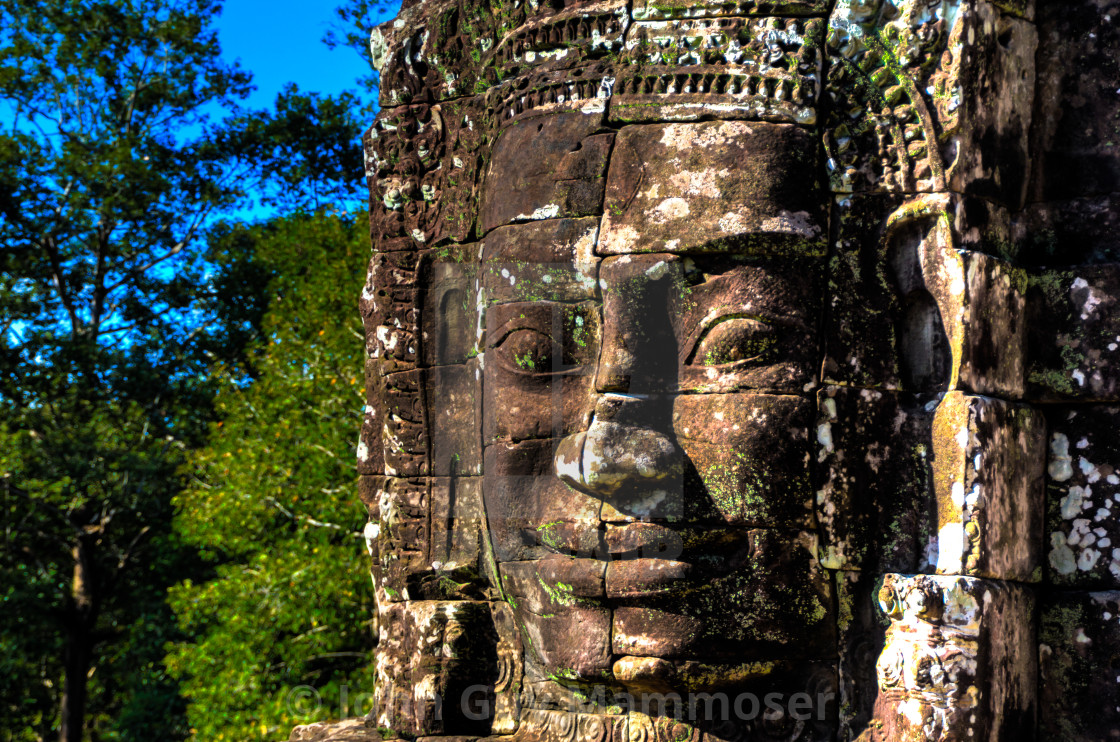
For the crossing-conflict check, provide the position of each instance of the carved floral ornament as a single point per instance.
(710, 362)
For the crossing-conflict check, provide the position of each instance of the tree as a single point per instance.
(123, 141)
(272, 503)
(354, 20)
(307, 151)
(101, 199)
(86, 498)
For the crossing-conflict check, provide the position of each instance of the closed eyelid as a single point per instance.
(516, 325)
(776, 322)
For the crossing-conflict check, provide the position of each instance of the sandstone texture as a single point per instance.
(744, 370)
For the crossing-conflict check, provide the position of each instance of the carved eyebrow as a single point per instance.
(722, 314)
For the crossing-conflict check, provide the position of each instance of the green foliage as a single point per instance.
(114, 166)
(87, 553)
(354, 19)
(123, 141)
(272, 504)
(102, 199)
(307, 151)
(102, 203)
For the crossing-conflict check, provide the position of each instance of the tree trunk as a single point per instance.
(79, 644)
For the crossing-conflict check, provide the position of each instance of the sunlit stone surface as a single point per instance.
(744, 371)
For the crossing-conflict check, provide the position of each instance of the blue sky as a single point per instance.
(279, 42)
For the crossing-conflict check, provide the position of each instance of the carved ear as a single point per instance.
(929, 276)
(962, 326)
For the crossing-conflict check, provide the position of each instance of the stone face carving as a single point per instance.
(723, 382)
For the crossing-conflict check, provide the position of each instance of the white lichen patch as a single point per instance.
(551, 211)
(702, 183)
(952, 543)
(1092, 298)
(657, 271)
(674, 208)
(797, 223)
(1061, 464)
(370, 534)
(1088, 493)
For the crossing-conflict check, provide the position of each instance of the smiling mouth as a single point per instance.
(644, 560)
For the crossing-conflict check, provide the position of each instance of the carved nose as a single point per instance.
(621, 451)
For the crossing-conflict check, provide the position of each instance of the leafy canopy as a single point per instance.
(122, 140)
(271, 505)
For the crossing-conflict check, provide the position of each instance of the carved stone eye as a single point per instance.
(734, 339)
(526, 351)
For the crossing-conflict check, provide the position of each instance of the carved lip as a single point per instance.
(639, 578)
(646, 560)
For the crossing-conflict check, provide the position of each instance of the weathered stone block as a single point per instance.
(547, 167)
(1079, 643)
(788, 615)
(558, 604)
(993, 347)
(962, 324)
(873, 492)
(449, 305)
(546, 725)
(861, 630)
(627, 459)
(350, 730)
(551, 260)
(749, 456)
(930, 98)
(455, 423)
(641, 296)
(862, 324)
(720, 186)
(656, 9)
(404, 436)
(959, 662)
(433, 51)
(733, 326)
(538, 370)
(430, 535)
(744, 68)
(390, 307)
(1078, 108)
(982, 101)
(371, 452)
(954, 329)
(1082, 231)
(1074, 341)
(457, 524)
(429, 654)
(511, 670)
(552, 89)
(403, 540)
(561, 39)
(922, 298)
(424, 165)
(1083, 496)
(531, 512)
(987, 477)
